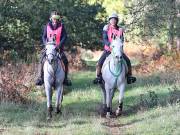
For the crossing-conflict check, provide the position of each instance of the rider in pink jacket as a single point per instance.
(109, 31)
(54, 29)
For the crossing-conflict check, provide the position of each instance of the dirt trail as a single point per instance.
(113, 126)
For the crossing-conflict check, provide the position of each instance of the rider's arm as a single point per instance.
(105, 36)
(63, 37)
(122, 37)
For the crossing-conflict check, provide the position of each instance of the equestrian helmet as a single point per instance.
(113, 15)
(55, 15)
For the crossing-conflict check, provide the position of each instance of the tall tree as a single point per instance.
(154, 19)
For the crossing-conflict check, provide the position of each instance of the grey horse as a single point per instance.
(53, 77)
(114, 76)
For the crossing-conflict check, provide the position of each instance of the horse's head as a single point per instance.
(51, 53)
(117, 48)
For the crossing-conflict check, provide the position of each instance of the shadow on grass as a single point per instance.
(35, 113)
(90, 65)
(81, 108)
(156, 79)
(151, 100)
(152, 80)
(77, 112)
(83, 80)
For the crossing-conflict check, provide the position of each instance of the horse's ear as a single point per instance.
(47, 40)
(54, 37)
(114, 37)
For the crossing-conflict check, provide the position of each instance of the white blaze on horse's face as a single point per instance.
(117, 48)
(50, 53)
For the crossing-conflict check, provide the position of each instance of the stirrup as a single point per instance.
(67, 82)
(39, 81)
(97, 80)
(131, 79)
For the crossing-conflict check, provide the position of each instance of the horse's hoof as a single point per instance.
(58, 111)
(103, 111)
(103, 114)
(118, 112)
(49, 118)
(108, 115)
(49, 113)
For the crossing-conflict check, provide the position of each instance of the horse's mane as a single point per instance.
(107, 61)
(116, 40)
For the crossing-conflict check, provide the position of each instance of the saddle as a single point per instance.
(62, 63)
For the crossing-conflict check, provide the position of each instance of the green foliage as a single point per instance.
(153, 19)
(15, 30)
(22, 21)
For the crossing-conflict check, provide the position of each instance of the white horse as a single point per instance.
(53, 77)
(114, 72)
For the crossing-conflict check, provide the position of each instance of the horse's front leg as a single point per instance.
(121, 89)
(104, 106)
(59, 97)
(108, 100)
(48, 91)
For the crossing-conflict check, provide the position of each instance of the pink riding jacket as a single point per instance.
(57, 33)
(113, 32)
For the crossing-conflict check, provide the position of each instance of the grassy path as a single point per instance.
(147, 110)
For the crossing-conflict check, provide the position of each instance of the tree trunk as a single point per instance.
(178, 43)
(171, 21)
(171, 33)
(178, 25)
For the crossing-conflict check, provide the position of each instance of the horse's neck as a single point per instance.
(108, 59)
(53, 67)
(109, 62)
(114, 64)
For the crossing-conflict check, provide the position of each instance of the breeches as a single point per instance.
(106, 54)
(103, 57)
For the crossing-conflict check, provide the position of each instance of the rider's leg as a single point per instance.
(65, 61)
(130, 78)
(98, 78)
(40, 79)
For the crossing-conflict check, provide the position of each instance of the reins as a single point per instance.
(118, 67)
(56, 60)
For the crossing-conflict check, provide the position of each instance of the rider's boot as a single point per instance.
(98, 79)
(130, 78)
(67, 82)
(40, 79)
